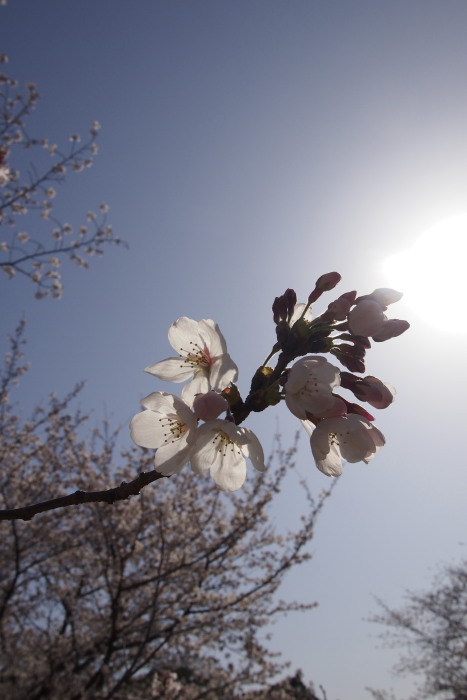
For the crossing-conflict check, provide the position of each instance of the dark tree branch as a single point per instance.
(118, 493)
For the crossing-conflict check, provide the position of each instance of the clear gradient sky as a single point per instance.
(249, 146)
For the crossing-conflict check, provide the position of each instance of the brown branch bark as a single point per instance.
(118, 493)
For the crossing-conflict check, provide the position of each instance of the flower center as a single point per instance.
(173, 426)
(197, 356)
(225, 444)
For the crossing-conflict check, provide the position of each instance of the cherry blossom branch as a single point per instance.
(118, 493)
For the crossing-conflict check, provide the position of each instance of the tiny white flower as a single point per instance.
(203, 357)
(222, 448)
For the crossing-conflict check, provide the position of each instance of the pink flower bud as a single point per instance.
(328, 281)
(209, 406)
(339, 309)
(324, 284)
(374, 391)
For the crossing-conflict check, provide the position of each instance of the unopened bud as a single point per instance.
(328, 281)
(324, 284)
(283, 306)
(209, 406)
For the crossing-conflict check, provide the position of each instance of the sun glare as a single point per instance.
(432, 274)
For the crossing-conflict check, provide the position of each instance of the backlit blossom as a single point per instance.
(366, 318)
(167, 425)
(309, 386)
(346, 439)
(222, 448)
(203, 357)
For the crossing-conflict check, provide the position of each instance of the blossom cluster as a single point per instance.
(32, 189)
(190, 430)
(170, 424)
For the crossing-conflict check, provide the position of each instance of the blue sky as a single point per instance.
(247, 147)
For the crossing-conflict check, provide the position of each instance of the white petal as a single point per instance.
(182, 333)
(213, 337)
(222, 372)
(229, 472)
(204, 452)
(173, 369)
(144, 429)
(198, 385)
(254, 451)
(327, 456)
(171, 458)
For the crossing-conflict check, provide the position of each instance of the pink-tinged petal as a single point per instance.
(337, 408)
(144, 429)
(377, 393)
(223, 371)
(184, 335)
(212, 336)
(171, 458)
(173, 369)
(209, 406)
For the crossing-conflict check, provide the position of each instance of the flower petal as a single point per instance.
(173, 369)
(229, 472)
(223, 372)
(212, 336)
(172, 457)
(183, 333)
(254, 450)
(144, 429)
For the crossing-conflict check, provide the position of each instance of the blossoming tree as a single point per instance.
(39, 252)
(165, 596)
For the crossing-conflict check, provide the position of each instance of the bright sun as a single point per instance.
(432, 274)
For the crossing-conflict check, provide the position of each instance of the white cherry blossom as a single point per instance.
(222, 448)
(203, 357)
(309, 386)
(168, 426)
(351, 439)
